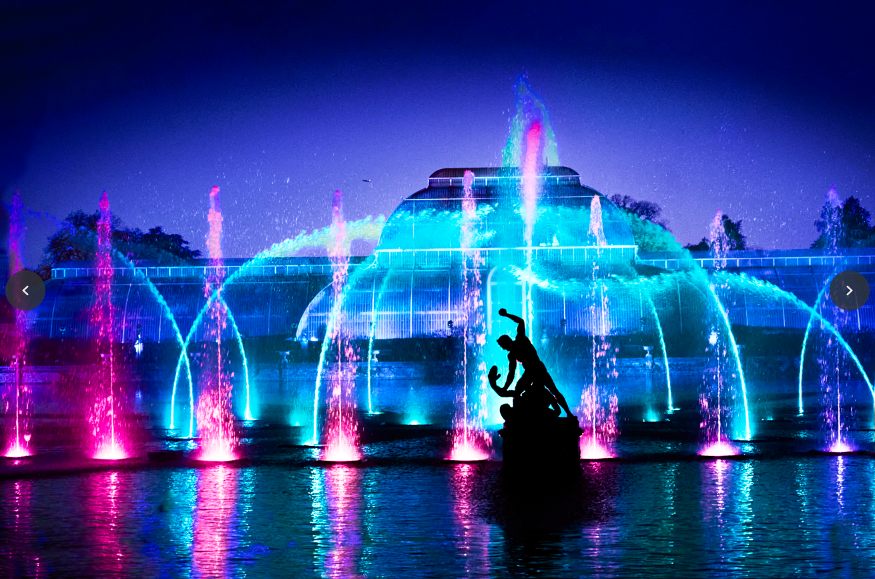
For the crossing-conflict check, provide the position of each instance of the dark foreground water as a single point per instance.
(402, 513)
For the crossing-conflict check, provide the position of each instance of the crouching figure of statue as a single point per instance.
(533, 431)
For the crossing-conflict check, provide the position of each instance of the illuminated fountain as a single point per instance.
(830, 357)
(16, 398)
(530, 211)
(214, 418)
(470, 439)
(662, 348)
(598, 404)
(373, 331)
(367, 229)
(341, 439)
(715, 396)
(106, 397)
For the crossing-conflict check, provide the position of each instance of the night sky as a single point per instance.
(751, 107)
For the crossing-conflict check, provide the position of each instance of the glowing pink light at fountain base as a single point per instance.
(219, 439)
(216, 453)
(17, 451)
(840, 446)
(465, 450)
(111, 451)
(592, 450)
(341, 449)
(719, 448)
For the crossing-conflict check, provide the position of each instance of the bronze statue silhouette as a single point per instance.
(533, 433)
(521, 350)
(531, 402)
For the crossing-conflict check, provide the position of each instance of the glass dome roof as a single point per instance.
(432, 218)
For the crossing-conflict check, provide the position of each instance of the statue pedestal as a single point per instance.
(549, 444)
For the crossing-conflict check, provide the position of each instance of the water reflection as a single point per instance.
(17, 549)
(176, 511)
(714, 504)
(805, 516)
(473, 536)
(337, 508)
(216, 509)
(107, 496)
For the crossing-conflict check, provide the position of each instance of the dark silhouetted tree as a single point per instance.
(644, 209)
(650, 232)
(855, 229)
(76, 240)
(737, 239)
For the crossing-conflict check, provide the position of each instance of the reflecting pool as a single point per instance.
(404, 512)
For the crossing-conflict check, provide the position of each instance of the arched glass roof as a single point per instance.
(432, 218)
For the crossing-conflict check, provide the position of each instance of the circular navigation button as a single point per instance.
(25, 290)
(849, 290)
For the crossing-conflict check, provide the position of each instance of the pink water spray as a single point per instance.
(16, 399)
(342, 440)
(105, 414)
(214, 416)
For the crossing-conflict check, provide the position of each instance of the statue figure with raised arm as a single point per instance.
(520, 349)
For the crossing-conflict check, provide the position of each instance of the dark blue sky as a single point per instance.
(754, 108)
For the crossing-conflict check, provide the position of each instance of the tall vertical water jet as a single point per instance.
(529, 109)
(106, 399)
(716, 397)
(530, 145)
(16, 399)
(531, 168)
(470, 439)
(367, 228)
(598, 405)
(214, 417)
(342, 441)
(830, 358)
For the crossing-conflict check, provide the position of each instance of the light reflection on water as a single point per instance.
(473, 535)
(105, 502)
(216, 513)
(337, 520)
(16, 550)
(756, 517)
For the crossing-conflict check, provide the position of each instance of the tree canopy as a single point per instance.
(855, 229)
(650, 232)
(76, 240)
(737, 240)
